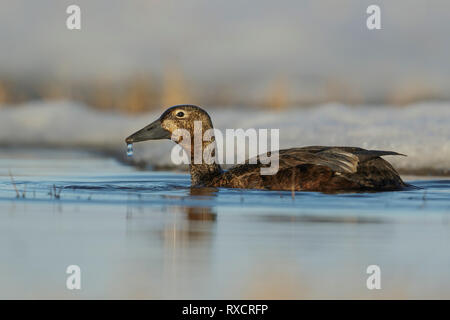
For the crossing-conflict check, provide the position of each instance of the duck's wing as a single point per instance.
(336, 159)
(366, 155)
(336, 155)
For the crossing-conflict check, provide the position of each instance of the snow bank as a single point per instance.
(422, 131)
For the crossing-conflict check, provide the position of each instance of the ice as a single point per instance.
(421, 131)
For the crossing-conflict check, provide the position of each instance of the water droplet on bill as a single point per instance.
(130, 150)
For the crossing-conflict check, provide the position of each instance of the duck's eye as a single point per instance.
(180, 114)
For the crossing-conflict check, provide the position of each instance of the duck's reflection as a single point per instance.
(197, 219)
(201, 213)
(188, 240)
(180, 235)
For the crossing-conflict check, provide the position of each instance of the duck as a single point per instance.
(326, 169)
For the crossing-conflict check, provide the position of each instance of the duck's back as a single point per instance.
(317, 168)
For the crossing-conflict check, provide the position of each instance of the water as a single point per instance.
(130, 149)
(138, 234)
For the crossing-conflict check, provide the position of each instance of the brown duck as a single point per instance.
(315, 168)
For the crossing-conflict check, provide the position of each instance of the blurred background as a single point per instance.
(312, 68)
(140, 55)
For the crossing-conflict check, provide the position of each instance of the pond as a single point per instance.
(148, 235)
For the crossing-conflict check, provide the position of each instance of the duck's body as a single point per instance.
(315, 168)
(324, 169)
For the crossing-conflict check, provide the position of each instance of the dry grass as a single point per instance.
(145, 91)
(410, 91)
(278, 94)
(14, 185)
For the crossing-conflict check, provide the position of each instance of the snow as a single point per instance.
(421, 131)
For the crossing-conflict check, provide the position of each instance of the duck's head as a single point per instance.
(176, 117)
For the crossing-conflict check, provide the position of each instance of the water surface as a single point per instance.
(138, 234)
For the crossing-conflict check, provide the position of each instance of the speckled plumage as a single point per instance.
(317, 169)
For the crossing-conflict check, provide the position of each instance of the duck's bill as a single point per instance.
(154, 131)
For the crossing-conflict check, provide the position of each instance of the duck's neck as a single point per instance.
(203, 170)
(200, 145)
(203, 173)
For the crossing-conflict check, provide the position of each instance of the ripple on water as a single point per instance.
(185, 242)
